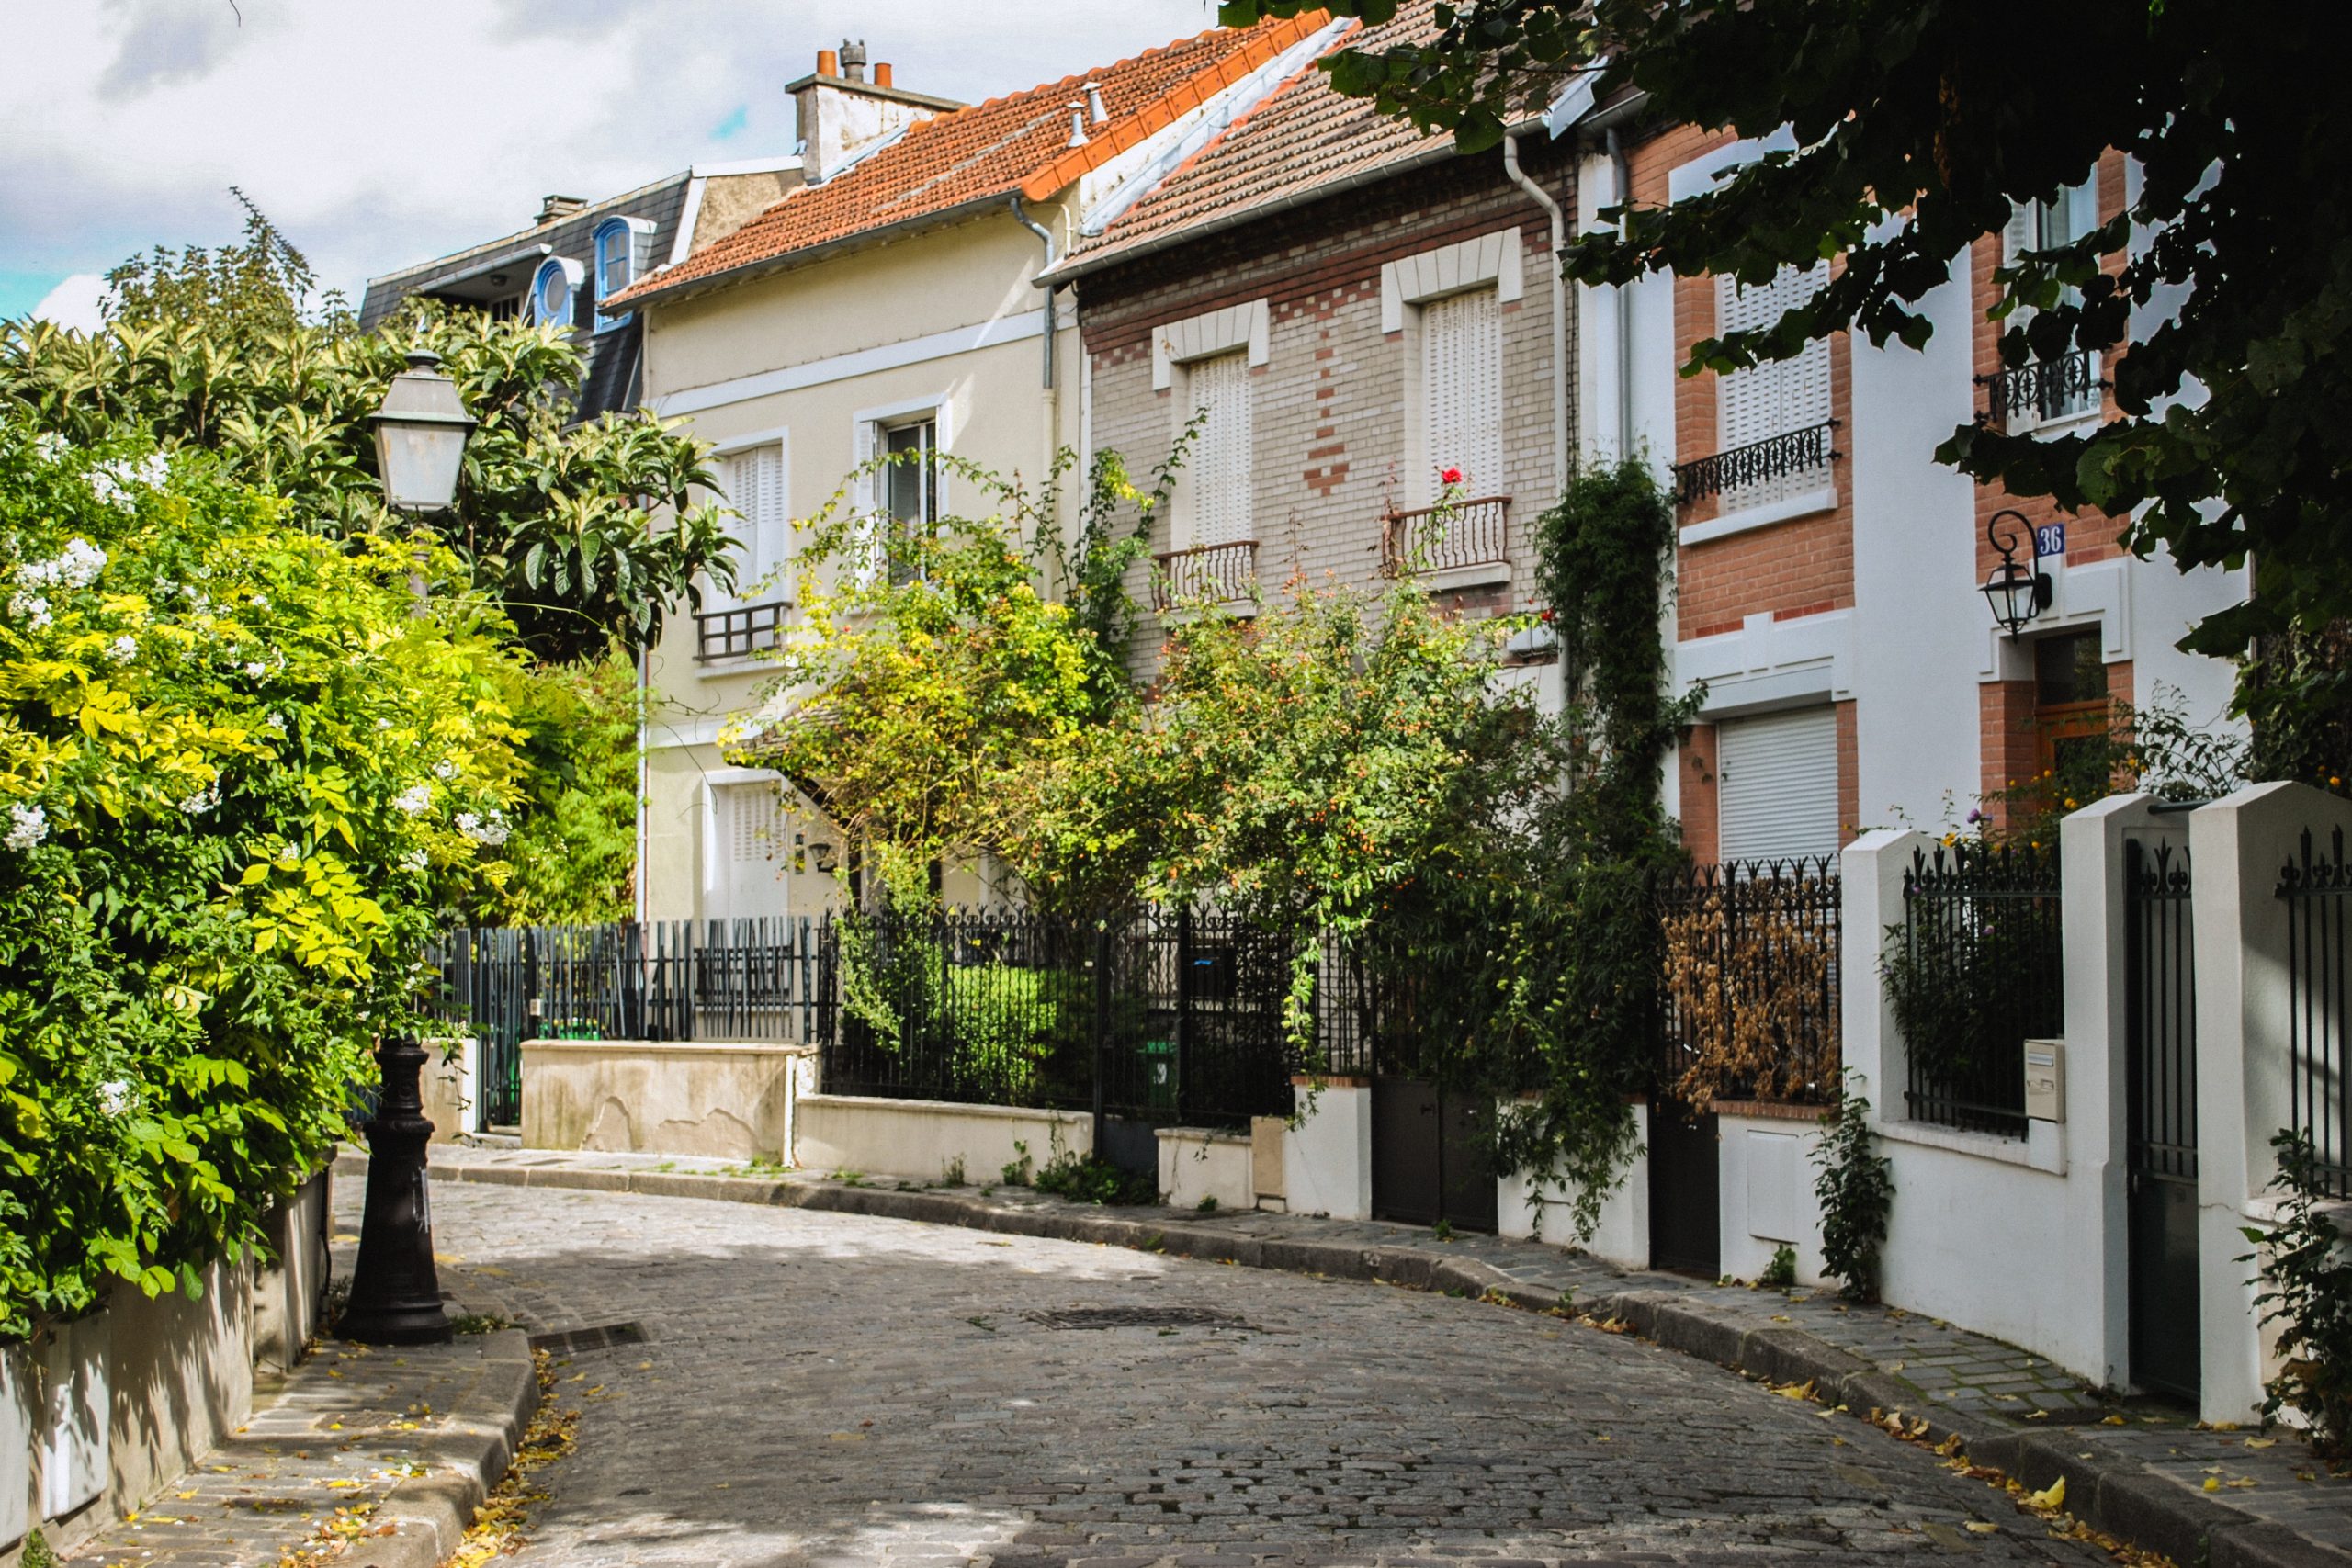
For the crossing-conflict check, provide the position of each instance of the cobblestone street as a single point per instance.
(830, 1388)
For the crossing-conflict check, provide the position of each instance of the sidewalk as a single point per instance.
(2132, 1470)
(361, 1455)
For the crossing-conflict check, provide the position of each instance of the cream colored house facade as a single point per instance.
(888, 304)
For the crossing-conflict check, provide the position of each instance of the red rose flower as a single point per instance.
(1450, 476)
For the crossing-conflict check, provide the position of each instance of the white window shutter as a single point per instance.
(1220, 466)
(1462, 384)
(1776, 786)
(748, 835)
(1775, 399)
(754, 484)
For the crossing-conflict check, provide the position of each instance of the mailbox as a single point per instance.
(2045, 1080)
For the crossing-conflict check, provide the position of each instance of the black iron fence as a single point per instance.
(1444, 538)
(2317, 888)
(2160, 1013)
(626, 980)
(1218, 572)
(1759, 462)
(1748, 994)
(1164, 1018)
(1977, 970)
(2045, 390)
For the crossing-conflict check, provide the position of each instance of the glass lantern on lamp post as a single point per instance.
(2017, 591)
(421, 433)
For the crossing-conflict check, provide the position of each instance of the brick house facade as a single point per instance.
(1835, 613)
(1356, 240)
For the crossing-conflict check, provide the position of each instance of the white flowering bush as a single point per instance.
(243, 772)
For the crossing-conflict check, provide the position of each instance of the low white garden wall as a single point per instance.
(929, 1140)
(1197, 1164)
(1547, 1212)
(712, 1098)
(97, 1415)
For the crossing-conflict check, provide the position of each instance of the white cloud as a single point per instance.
(74, 302)
(376, 136)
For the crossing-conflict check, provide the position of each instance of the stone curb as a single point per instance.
(2124, 1501)
(467, 1456)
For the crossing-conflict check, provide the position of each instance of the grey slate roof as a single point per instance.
(613, 382)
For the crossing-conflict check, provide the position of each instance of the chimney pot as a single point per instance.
(853, 60)
(1077, 122)
(554, 207)
(828, 62)
(881, 72)
(1095, 112)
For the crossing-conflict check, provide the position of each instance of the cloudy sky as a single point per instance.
(380, 132)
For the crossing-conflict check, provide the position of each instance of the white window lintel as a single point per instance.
(1496, 259)
(1206, 336)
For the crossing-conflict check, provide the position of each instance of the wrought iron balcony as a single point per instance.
(2044, 390)
(1220, 572)
(1758, 462)
(738, 633)
(1443, 538)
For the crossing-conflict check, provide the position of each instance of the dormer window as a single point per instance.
(551, 290)
(622, 248)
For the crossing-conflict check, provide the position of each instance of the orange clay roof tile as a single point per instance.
(1015, 143)
(1304, 135)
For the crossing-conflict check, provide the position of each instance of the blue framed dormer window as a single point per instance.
(549, 303)
(623, 247)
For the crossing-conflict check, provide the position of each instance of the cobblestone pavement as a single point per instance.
(2273, 1478)
(319, 1452)
(819, 1388)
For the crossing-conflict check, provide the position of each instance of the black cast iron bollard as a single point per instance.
(395, 1292)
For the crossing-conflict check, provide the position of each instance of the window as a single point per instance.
(1775, 399)
(1776, 786)
(1462, 387)
(1219, 480)
(749, 848)
(2068, 387)
(551, 290)
(909, 491)
(753, 480)
(2070, 699)
(620, 246)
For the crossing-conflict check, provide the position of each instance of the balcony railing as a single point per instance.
(1444, 538)
(1220, 572)
(1757, 463)
(2045, 390)
(737, 634)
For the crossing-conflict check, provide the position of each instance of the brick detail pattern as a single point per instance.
(1331, 410)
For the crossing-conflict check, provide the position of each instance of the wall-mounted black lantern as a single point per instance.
(2017, 591)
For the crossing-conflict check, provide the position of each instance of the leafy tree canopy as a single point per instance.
(1940, 114)
(560, 523)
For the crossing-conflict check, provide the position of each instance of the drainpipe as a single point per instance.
(1621, 171)
(1053, 393)
(1559, 310)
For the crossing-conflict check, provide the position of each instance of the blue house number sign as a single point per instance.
(2050, 539)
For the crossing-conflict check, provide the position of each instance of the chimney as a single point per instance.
(842, 114)
(552, 208)
(1077, 122)
(1095, 112)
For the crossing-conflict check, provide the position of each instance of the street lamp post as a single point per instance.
(421, 433)
(2017, 591)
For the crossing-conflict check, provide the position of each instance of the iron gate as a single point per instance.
(2160, 1026)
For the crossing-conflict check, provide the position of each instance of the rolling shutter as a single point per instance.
(1461, 388)
(747, 842)
(754, 484)
(1220, 468)
(1776, 786)
(1771, 399)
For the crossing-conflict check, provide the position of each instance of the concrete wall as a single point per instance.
(923, 1140)
(1547, 1211)
(96, 1416)
(710, 1099)
(1326, 1150)
(1197, 1165)
(448, 1083)
(1765, 1190)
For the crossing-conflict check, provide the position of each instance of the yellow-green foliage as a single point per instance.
(241, 766)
